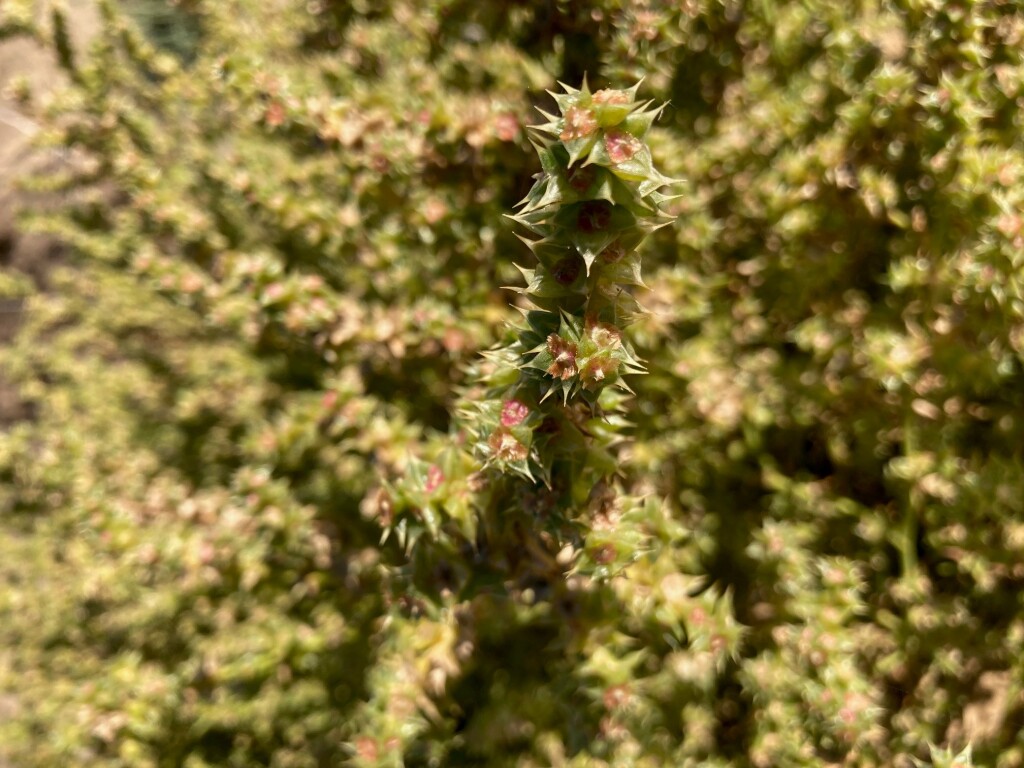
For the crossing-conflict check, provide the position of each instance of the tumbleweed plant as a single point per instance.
(513, 533)
(593, 203)
(544, 414)
(800, 542)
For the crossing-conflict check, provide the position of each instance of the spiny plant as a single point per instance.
(544, 415)
(546, 408)
(592, 204)
(517, 539)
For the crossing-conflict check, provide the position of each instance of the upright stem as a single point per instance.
(908, 534)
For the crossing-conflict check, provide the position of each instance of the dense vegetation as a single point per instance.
(254, 519)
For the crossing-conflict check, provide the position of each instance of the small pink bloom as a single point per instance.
(611, 96)
(506, 126)
(275, 114)
(434, 478)
(621, 146)
(513, 413)
(1009, 224)
(579, 122)
(366, 749)
(434, 210)
(616, 696)
(191, 282)
(453, 340)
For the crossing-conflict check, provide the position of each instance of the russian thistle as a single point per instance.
(550, 394)
(544, 413)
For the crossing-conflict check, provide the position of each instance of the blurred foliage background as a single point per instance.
(286, 246)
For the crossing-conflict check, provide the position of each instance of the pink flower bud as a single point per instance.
(434, 478)
(513, 413)
(579, 122)
(434, 210)
(506, 126)
(366, 749)
(275, 114)
(611, 96)
(621, 146)
(274, 291)
(616, 696)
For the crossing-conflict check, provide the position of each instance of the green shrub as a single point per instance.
(248, 523)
